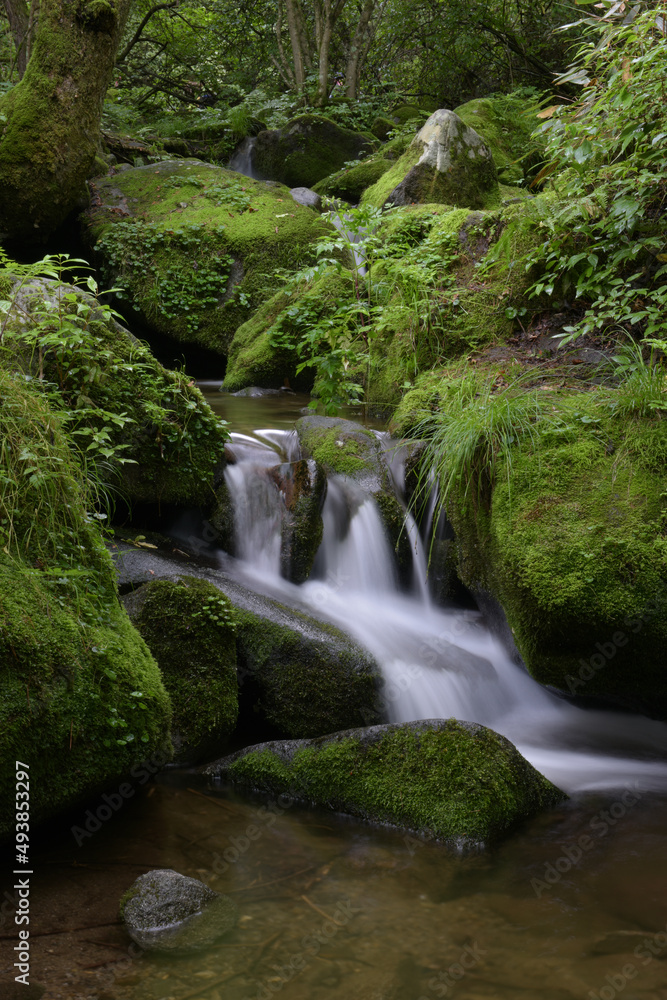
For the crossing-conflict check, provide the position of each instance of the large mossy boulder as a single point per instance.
(447, 163)
(82, 698)
(298, 675)
(188, 625)
(456, 781)
(344, 448)
(157, 436)
(568, 536)
(196, 247)
(307, 149)
(264, 351)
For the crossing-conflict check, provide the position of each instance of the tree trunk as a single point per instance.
(51, 134)
(295, 28)
(358, 50)
(18, 16)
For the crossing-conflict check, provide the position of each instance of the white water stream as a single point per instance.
(437, 662)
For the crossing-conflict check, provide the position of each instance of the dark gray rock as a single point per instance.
(168, 912)
(303, 487)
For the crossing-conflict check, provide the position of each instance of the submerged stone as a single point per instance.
(165, 911)
(455, 781)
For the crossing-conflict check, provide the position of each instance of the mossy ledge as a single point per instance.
(82, 698)
(455, 781)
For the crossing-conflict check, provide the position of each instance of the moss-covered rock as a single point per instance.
(196, 247)
(254, 360)
(344, 448)
(188, 626)
(457, 781)
(507, 124)
(153, 426)
(306, 150)
(404, 113)
(298, 675)
(261, 352)
(73, 672)
(165, 911)
(381, 127)
(569, 539)
(447, 162)
(351, 182)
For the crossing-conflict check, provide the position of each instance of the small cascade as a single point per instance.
(437, 662)
(354, 552)
(256, 500)
(359, 256)
(241, 160)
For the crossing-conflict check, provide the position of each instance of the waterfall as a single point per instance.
(241, 160)
(437, 662)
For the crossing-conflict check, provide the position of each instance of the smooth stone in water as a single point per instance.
(165, 911)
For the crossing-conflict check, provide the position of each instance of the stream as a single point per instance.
(573, 905)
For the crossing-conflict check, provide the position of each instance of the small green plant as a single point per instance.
(218, 611)
(136, 249)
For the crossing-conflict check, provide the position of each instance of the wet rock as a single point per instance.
(303, 487)
(168, 912)
(298, 675)
(455, 781)
(345, 448)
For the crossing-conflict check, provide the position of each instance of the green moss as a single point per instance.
(307, 149)
(458, 782)
(197, 272)
(256, 356)
(351, 182)
(507, 124)
(189, 628)
(570, 540)
(170, 441)
(306, 679)
(339, 453)
(253, 359)
(73, 672)
(381, 127)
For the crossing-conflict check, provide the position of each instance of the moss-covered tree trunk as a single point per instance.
(49, 122)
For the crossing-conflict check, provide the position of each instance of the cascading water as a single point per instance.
(437, 662)
(241, 160)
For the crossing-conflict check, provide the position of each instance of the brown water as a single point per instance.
(330, 908)
(279, 412)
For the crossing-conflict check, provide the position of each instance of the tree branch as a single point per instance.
(137, 35)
